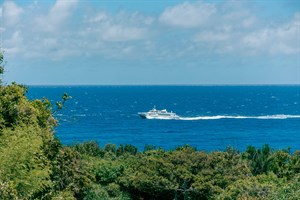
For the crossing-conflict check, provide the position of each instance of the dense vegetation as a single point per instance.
(35, 165)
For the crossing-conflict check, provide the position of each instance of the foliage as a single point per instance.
(61, 104)
(290, 190)
(89, 148)
(22, 161)
(1, 66)
(17, 110)
(35, 165)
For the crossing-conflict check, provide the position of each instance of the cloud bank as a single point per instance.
(72, 28)
(188, 15)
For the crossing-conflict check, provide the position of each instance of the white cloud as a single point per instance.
(117, 33)
(188, 15)
(249, 22)
(121, 27)
(283, 39)
(61, 10)
(58, 14)
(195, 30)
(99, 17)
(210, 36)
(55, 35)
(2, 29)
(14, 43)
(11, 13)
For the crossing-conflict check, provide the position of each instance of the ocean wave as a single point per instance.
(279, 116)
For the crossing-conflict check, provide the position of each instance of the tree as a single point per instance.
(27, 143)
(23, 164)
(1, 66)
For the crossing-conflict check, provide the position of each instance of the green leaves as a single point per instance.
(185, 173)
(2, 63)
(17, 110)
(22, 162)
(1, 69)
(60, 104)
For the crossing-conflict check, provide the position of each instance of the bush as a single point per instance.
(89, 148)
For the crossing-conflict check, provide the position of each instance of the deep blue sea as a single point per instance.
(212, 117)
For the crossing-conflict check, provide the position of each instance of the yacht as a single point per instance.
(158, 114)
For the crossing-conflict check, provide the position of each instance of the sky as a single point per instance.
(143, 42)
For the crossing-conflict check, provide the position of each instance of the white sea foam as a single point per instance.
(279, 116)
(265, 117)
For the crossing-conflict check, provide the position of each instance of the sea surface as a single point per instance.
(211, 117)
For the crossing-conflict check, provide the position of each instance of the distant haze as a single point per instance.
(72, 42)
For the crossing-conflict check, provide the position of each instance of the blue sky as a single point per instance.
(73, 42)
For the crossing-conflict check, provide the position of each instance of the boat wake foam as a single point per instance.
(240, 117)
(279, 116)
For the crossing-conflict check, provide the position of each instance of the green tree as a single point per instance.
(261, 160)
(1, 66)
(69, 173)
(23, 164)
(89, 148)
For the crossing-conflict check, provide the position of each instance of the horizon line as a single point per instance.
(139, 85)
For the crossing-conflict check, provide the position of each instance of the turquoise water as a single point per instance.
(212, 117)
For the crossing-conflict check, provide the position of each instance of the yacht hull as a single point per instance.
(143, 115)
(158, 114)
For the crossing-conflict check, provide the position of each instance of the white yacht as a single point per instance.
(158, 114)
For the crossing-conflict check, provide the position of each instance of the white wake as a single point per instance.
(281, 116)
(278, 116)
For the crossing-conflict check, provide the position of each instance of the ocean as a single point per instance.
(211, 117)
